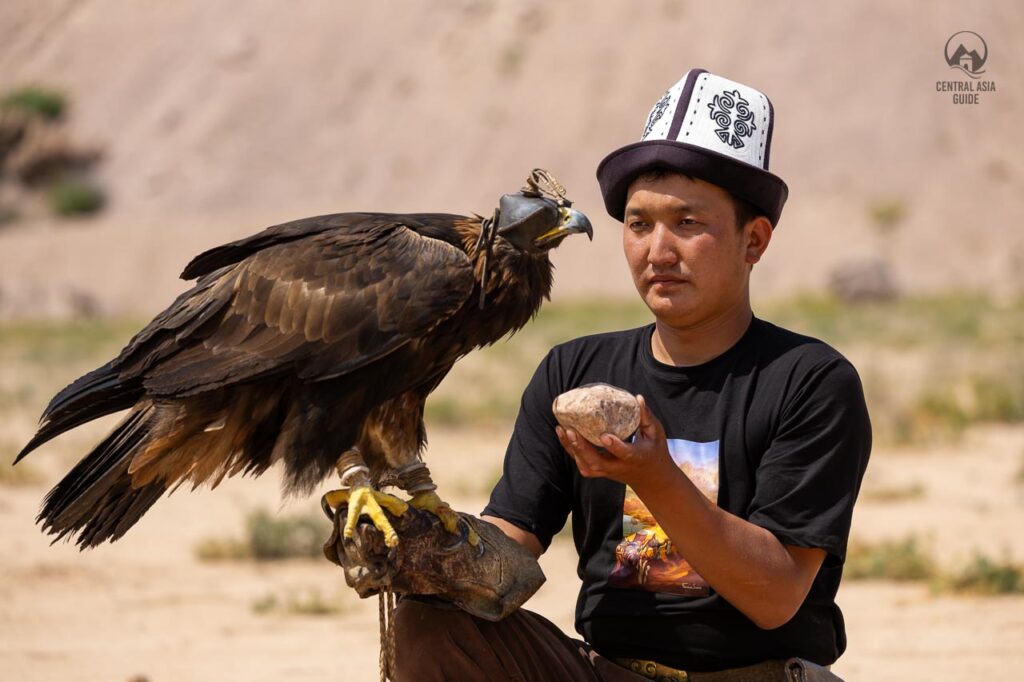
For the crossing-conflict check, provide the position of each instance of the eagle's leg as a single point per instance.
(363, 499)
(415, 479)
(393, 435)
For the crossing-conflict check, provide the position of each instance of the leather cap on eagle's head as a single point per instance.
(536, 223)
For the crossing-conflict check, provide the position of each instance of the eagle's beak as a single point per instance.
(571, 222)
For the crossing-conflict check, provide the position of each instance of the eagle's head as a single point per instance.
(536, 220)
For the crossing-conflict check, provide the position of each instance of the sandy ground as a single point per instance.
(147, 606)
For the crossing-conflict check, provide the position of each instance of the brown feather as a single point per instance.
(295, 345)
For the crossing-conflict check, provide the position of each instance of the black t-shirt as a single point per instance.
(774, 430)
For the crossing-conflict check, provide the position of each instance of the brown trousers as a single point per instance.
(438, 643)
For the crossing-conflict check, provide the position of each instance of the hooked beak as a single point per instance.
(571, 222)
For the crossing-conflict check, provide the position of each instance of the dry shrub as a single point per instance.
(268, 538)
(899, 560)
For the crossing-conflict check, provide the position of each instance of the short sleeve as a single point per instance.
(811, 472)
(535, 489)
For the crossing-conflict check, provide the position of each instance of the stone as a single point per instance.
(595, 409)
(863, 279)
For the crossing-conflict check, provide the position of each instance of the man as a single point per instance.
(711, 543)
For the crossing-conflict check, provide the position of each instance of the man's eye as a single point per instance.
(688, 221)
(637, 225)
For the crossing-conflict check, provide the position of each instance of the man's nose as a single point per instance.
(662, 252)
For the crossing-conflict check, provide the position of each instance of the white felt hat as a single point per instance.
(708, 127)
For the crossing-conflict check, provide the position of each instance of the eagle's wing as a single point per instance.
(350, 224)
(320, 306)
(308, 302)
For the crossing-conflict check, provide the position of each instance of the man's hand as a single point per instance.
(646, 458)
(489, 580)
(744, 563)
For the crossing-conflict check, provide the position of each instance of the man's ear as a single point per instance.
(759, 234)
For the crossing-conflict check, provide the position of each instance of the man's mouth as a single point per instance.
(666, 279)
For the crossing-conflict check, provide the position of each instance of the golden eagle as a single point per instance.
(313, 343)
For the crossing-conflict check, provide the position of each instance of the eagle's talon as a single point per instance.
(364, 500)
(331, 500)
(430, 502)
(463, 537)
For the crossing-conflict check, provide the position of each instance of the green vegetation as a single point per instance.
(269, 537)
(64, 343)
(904, 560)
(970, 344)
(984, 576)
(36, 100)
(301, 536)
(957, 399)
(37, 359)
(900, 560)
(42, 158)
(906, 323)
(887, 213)
(71, 196)
(222, 549)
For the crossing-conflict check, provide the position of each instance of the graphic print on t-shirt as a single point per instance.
(646, 558)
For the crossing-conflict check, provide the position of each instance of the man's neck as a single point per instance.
(688, 346)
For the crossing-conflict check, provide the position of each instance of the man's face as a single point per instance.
(688, 259)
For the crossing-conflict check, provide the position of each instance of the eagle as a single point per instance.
(313, 344)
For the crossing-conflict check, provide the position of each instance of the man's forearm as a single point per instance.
(524, 538)
(743, 562)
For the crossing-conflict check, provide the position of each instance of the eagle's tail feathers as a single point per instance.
(98, 393)
(97, 500)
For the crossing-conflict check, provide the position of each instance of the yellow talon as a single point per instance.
(430, 502)
(336, 498)
(372, 503)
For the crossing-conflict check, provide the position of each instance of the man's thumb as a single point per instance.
(648, 422)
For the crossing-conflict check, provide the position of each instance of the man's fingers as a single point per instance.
(574, 443)
(570, 440)
(649, 424)
(587, 467)
(586, 470)
(615, 446)
(588, 460)
(645, 412)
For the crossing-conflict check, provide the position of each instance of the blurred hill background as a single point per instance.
(217, 119)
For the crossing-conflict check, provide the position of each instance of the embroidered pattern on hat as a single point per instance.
(656, 113)
(732, 114)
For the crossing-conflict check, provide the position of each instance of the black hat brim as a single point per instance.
(764, 190)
